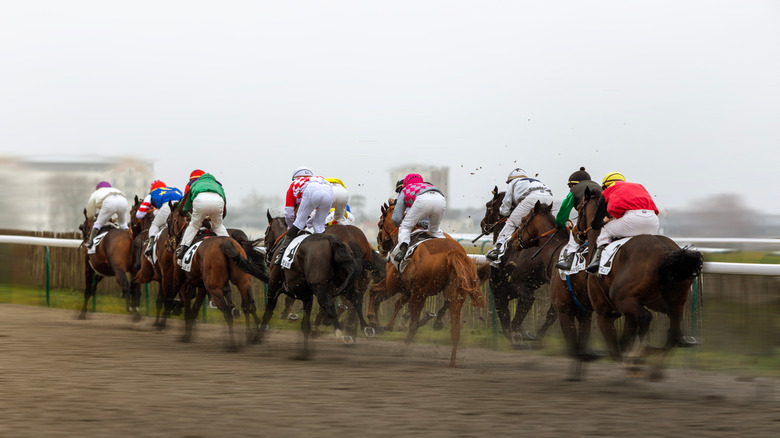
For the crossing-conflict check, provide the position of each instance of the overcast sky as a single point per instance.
(682, 96)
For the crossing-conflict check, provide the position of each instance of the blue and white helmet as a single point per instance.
(302, 171)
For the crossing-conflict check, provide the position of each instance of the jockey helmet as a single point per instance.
(399, 185)
(102, 184)
(302, 171)
(412, 178)
(157, 185)
(515, 173)
(578, 176)
(197, 173)
(611, 178)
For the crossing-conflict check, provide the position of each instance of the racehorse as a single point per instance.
(436, 265)
(217, 262)
(113, 257)
(648, 272)
(146, 272)
(568, 297)
(324, 267)
(517, 277)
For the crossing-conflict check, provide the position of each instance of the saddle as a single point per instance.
(416, 238)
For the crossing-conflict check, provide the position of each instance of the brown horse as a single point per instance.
(146, 272)
(517, 277)
(324, 267)
(437, 265)
(569, 298)
(648, 272)
(217, 262)
(113, 257)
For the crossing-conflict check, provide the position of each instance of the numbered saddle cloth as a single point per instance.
(186, 261)
(289, 253)
(96, 242)
(579, 263)
(608, 255)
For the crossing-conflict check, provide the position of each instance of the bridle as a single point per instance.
(530, 243)
(387, 240)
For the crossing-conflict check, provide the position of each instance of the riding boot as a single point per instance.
(567, 261)
(181, 251)
(493, 254)
(292, 233)
(401, 252)
(593, 267)
(92, 235)
(150, 247)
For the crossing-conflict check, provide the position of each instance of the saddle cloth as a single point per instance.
(578, 264)
(186, 261)
(605, 264)
(153, 258)
(417, 237)
(289, 253)
(96, 242)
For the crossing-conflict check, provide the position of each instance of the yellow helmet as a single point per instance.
(611, 178)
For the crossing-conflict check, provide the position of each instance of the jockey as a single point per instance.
(159, 196)
(206, 198)
(422, 200)
(105, 202)
(632, 209)
(340, 199)
(522, 193)
(579, 181)
(308, 193)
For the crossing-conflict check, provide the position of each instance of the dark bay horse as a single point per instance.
(146, 272)
(113, 257)
(437, 265)
(649, 272)
(517, 277)
(569, 298)
(324, 267)
(217, 262)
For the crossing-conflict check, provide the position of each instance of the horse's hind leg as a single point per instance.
(438, 324)
(224, 305)
(416, 304)
(455, 308)
(606, 324)
(549, 320)
(91, 279)
(308, 303)
(275, 285)
(524, 304)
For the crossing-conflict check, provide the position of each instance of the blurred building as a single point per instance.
(50, 193)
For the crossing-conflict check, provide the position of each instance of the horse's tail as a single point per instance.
(680, 265)
(483, 273)
(246, 265)
(464, 271)
(344, 260)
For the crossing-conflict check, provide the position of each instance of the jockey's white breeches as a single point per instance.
(205, 205)
(340, 200)
(316, 196)
(429, 205)
(633, 223)
(112, 205)
(160, 220)
(523, 208)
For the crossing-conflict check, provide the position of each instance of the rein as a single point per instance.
(539, 237)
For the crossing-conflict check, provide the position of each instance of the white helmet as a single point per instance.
(302, 171)
(515, 173)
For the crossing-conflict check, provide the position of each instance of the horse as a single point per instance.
(146, 272)
(649, 272)
(517, 277)
(113, 257)
(324, 267)
(569, 298)
(390, 285)
(436, 265)
(217, 262)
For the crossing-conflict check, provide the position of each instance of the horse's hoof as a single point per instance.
(687, 341)
(347, 340)
(236, 313)
(292, 317)
(137, 317)
(263, 327)
(528, 336)
(212, 305)
(343, 307)
(185, 339)
(82, 316)
(369, 332)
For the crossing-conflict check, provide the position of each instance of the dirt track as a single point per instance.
(110, 377)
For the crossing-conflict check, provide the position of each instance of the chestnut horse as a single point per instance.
(517, 277)
(324, 267)
(113, 257)
(217, 262)
(437, 265)
(648, 272)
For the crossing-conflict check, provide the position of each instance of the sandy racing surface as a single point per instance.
(110, 377)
